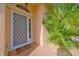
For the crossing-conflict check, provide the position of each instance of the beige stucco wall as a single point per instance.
(37, 12)
(37, 27)
(8, 9)
(2, 30)
(37, 17)
(45, 36)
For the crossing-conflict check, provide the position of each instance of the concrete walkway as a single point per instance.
(45, 51)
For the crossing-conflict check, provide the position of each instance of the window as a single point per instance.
(29, 28)
(20, 30)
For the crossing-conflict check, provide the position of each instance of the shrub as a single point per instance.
(62, 22)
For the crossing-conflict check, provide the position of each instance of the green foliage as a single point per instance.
(62, 22)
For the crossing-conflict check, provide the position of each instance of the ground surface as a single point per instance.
(47, 50)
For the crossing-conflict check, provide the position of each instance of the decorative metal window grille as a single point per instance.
(20, 30)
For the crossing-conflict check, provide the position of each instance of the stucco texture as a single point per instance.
(2, 30)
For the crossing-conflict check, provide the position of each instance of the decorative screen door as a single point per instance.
(20, 30)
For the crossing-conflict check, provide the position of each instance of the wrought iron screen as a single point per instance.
(20, 30)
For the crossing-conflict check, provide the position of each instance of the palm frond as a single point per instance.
(62, 21)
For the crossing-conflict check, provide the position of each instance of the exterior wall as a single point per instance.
(45, 36)
(2, 30)
(37, 29)
(7, 27)
(38, 13)
(8, 9)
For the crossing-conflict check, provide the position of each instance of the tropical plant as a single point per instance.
(62, 22)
